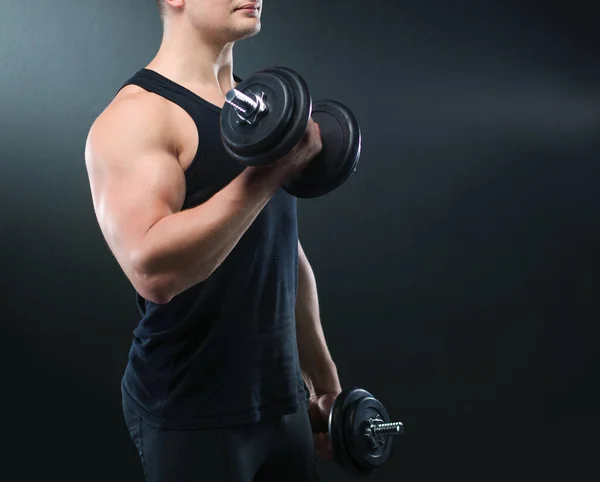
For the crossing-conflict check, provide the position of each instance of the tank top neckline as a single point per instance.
(185, 90)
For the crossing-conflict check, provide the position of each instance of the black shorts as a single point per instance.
(279, 450)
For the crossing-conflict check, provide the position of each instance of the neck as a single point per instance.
(189, 57)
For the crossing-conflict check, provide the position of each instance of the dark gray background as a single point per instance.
(457, 271)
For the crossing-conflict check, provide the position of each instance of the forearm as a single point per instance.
(318, 368)
(183, 249)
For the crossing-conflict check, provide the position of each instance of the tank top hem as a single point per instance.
(221, 421)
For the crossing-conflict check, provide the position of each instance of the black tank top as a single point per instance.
(224, 352)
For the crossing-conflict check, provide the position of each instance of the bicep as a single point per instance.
(134, 185)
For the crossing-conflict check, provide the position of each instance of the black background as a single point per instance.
(458, 270)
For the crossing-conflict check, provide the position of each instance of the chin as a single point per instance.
(245, 32)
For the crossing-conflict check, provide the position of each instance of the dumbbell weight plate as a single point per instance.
(342, 142)
(280, 129)
(338, 419)
(302, 110)
(246, 143)
(366, 459)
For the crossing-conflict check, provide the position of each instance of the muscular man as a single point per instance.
(228, 375)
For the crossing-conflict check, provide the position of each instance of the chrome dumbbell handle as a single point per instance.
(249, 108)
(377, 432)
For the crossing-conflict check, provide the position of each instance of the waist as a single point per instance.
(215, 377)
(177, 417)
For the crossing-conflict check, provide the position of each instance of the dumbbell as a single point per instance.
(267, 114)
(361, 432)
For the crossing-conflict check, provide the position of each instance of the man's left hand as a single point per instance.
(318, 412)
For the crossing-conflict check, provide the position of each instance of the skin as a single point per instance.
(136, 155)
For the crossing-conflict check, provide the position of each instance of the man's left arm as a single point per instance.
(318, 368)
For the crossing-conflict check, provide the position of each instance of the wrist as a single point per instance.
(270, 177)
(322, 378)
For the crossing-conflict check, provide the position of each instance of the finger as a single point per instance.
(310, 127)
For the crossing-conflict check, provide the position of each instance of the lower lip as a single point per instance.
(252, 9)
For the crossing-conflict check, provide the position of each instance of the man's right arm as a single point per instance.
(138, 189)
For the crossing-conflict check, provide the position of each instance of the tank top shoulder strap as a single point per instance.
(158, 84)
(211, 168)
